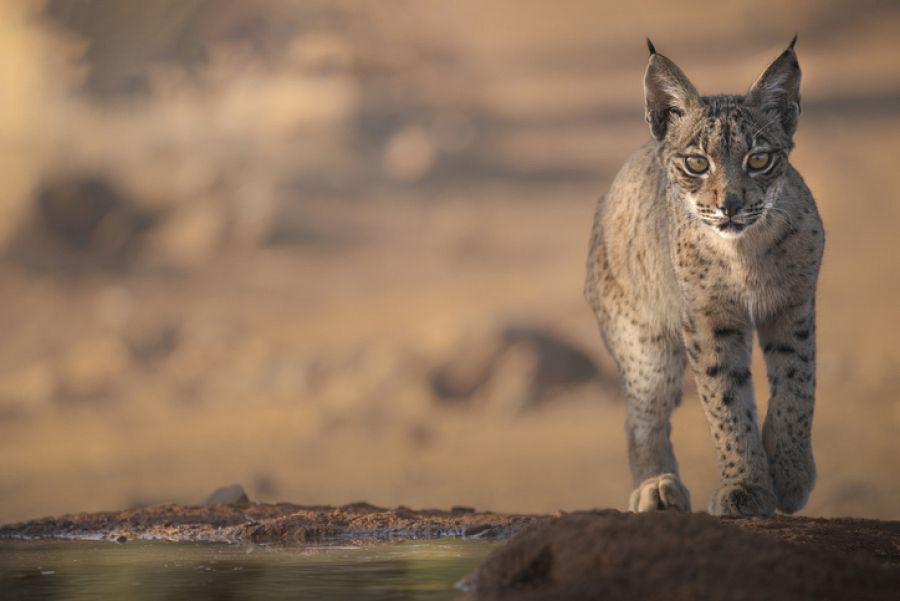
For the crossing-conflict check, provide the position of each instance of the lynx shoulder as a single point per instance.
(707, 233)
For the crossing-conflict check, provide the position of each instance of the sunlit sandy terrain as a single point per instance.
(305, 214)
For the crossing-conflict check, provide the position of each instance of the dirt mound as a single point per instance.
(668, 555)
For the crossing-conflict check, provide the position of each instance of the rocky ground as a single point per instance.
(582, 555)
(283, 523)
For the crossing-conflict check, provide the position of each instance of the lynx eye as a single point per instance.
(759, 160)
(696, 165)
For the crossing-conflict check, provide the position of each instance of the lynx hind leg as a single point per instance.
(789, 346)
(652, 367)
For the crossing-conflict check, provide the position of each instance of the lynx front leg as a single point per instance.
(653, 378)
(652, 367)
(719, 356)
(788, 342)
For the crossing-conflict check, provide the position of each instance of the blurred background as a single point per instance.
(334, 250)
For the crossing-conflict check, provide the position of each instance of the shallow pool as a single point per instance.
(82, 570)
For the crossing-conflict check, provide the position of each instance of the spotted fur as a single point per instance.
(684, 266)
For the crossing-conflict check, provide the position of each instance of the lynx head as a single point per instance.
(726, 154)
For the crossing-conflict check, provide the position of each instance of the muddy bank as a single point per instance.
(585, 555)
(669, 555)
(271, 523)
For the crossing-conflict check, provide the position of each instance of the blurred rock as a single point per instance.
(189, 236)
(519, 367)
(409, 154)
(78, 224)
(153, 343)
(233, 494)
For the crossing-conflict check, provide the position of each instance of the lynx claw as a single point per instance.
(742, 499)
(660, 492)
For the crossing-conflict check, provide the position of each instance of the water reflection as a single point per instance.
(79, 570)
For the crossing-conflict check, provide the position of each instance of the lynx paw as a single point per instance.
(660, 492)
(741, 499)
(794, 478)
(791, 467)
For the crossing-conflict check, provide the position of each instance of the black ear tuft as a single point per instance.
(668, 93)
(777, 91)
(793, 41)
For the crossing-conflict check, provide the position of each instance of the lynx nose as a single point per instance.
(731, 206)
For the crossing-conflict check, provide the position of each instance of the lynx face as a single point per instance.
(727, 155)
(728, 160)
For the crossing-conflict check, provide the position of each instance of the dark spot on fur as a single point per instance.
(784, 237)
(740, 376)
(725, 332)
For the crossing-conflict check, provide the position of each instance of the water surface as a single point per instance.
(82, 570)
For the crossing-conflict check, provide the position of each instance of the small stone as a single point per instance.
(232, 494)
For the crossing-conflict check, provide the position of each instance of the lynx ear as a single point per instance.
(777, 91)
(668, 93)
